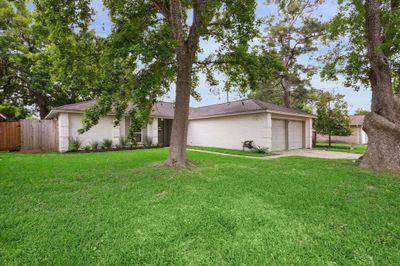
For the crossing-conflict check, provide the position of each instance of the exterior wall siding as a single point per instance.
(230, 131)
(103, 130)
(223, 132)
(69, 123)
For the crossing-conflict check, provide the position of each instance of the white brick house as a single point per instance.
(224, 125)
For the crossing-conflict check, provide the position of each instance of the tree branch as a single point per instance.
(219, 62)
(175, 15)
(163, 8)
(199, 7)
(381, 122)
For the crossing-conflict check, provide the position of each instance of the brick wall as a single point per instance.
(354, 138)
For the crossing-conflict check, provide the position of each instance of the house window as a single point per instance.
(138, 136)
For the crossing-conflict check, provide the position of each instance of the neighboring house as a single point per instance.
(358, 135)
(224, 125)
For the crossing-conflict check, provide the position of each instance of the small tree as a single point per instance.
(332, 118)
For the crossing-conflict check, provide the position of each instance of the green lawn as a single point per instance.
(120, 208)
(343, 147)
(229, 151)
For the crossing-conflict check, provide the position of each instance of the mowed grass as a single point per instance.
(230, 151)
(343, 147)
(120, 208)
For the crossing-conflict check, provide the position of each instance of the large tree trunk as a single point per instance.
(185, 54)
(383, 144)
(43, 108)
(286, 93)
(178, 142)
(382, 125)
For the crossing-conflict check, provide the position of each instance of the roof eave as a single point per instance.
(291, 114)
(54, 112)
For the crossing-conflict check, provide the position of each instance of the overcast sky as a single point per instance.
(360, 99)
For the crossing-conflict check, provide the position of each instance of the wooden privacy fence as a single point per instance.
(39, 135)
(10, 136)
(32, 135)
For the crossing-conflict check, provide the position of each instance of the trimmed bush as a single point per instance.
(107, 144)
(86, 148)
(123, 142)
(74, 144)
(147, 141)
(94, 145)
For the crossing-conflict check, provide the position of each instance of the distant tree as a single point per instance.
(295, 32)
(36, 72)
(14, 113)
(361, 111)
(332, 118)
(156, 43)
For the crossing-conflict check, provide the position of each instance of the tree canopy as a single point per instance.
(40, 71)
(14, 113)
(155, 44)
(348, 54)
(296, 31)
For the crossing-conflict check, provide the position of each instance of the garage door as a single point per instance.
(278, 135)
(296, 135)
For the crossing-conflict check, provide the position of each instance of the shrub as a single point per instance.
(260, 150)
(107, 144)
(123, 142)
(74, 144)
(94, 145)
(86, 148)
(147, 141)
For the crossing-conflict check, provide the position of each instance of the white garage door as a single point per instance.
(278, 135)
(296, 135)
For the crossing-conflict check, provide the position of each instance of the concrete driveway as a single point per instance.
(321, 154)
(302, 152)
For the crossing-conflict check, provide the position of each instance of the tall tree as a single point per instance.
(368, 53)
(157, 43)
(293, 33)
(332, 117)
(30, 64)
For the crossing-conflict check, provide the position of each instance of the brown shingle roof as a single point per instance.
(79, 107)
(357, 120)
(166, 109)
(240, 106)
(160, 109)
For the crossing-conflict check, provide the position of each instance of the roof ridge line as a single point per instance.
(241, 100)
(258, 102)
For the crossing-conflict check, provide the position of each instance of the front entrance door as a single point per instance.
(164, 131)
